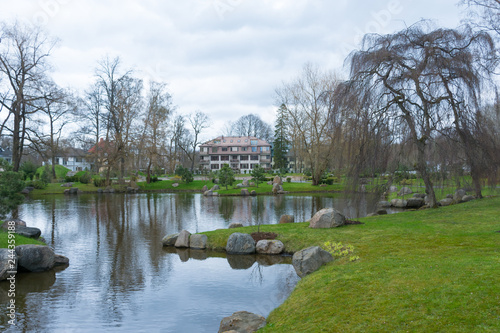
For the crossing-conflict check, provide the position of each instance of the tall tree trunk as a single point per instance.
(422, 168)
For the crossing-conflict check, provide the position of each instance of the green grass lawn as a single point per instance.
(434, 270)
(20, 240)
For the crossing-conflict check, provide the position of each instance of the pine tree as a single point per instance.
(280, 139)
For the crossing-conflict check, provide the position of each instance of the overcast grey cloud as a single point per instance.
(224, 57)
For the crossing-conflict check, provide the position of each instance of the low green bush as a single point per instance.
(86, 178)
(99, 182)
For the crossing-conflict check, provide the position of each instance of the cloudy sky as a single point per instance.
(223, 57)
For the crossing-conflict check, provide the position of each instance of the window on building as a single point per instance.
(214, 166)
(244, 149)
(224, 158)
(216, 141)
(253, 142)
(231, 141)
(239, 141)
(254, 149)
(214, 149)
(224, 149)
(243, 166)
(234, 148)
(234, 157)
(244, 157)
(253, 166)
(254, 157)
(214, 158)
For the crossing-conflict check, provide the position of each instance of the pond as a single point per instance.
(121, 279)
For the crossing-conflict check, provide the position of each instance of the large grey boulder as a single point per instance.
(458, 195)
(277, 180)
(60, 260)
(28, 232)
(8, 263)
(239, 243)
(215, 188)
(269, 246)
(244, 192)
(419, 195)
(204, 188)
(287, 219)
(467, 198)
(245, 183)
(399, 203)
(170, 240)
(327, 218)
(405, 191)
(446, 202)
(309, 260)
(35, 258)
(277, 188)
(183, 239)
(208, 193)
(253, 193)
(384, 204)
(415, 202)
(198, 242)
(242, 322)
(393, 189)
(235, 225)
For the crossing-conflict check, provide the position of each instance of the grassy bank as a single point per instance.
(424, 271)
(20, 240)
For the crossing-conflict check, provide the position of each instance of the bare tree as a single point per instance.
(122, 101)
(23, 64)
(55, 112)
(198, 121)
(308, 102)
(91, 118)
(252, 125)
(159, 107)
(411, 71)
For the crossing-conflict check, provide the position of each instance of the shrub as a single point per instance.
(154, 179)
(85, 178)
(71, 179)
(37, 184)
(99, 182)
(288, 179)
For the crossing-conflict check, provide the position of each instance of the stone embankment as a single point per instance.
(27, 258)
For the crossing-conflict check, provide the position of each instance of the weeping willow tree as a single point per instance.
(428, 80)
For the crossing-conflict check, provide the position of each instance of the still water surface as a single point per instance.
(121, 279)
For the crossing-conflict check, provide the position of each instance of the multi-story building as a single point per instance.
(241, 153)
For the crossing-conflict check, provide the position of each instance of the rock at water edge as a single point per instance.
(183, 239)
(327, 218)
(35, 258)
(198, 242)
(239, 243)
(309, 260)
(8, 263)
(269, 246)
(242, 321)
(170, 240)
(287, 219)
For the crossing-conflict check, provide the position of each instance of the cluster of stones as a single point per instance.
(184, 239)
(277, 185)
(239, 243)
(27, 190)
(419, 200)
(210, 192)
(27, 258)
